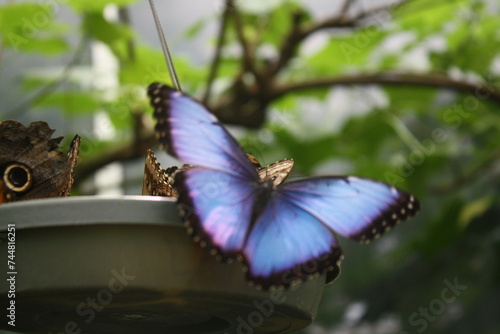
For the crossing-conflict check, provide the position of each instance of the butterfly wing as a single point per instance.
(276, 172)
(71, 159)
(158, 181)
(31, 164)
(217, 207)
(301, 217)
(288, 244)
(356, 208)
(217, 195)
(188, 131)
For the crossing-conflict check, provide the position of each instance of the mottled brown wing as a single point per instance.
(31, 164)
(158, 181)
(277, 172)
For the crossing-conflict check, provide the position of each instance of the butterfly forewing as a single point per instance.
(215, 196)
(192, 134)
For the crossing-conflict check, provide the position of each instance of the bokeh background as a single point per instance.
(406, 92)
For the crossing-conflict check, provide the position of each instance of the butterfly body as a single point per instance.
(31, 165)
(283, 232)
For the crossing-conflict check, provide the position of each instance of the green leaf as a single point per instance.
(474, 209)
(428, 16)
(96, 5)
(24, 18)
(50, 46)
(149, 66)
(112, 34)
(30, 27)
(344, 53)
(474, 42)
(195, 29)
(72, 103)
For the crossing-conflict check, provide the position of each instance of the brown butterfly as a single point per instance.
(160, 182)
(31, 165)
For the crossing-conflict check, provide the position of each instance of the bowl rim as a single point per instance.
(86, 210)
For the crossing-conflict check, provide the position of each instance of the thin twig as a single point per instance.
(124, 15)
(288, 46)
(218, 51)
(345, 7)
(248, 60)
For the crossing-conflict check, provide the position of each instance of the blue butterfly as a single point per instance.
(283, 233)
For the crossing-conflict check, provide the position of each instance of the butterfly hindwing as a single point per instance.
(288, 244)
(216, 205)
(301, 216)
(356, 208)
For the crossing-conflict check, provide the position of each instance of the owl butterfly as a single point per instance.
(160, 182)
(283, 233)
(31, 165)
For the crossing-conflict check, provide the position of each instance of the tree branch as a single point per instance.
(252, 111)
(248, 60)
(393, 78)
(298, 33)
(246, 105)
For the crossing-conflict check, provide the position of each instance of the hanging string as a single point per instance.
(164, 46)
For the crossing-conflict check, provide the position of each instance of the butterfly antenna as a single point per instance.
(164, 46)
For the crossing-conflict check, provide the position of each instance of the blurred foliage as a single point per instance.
(439, 143)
